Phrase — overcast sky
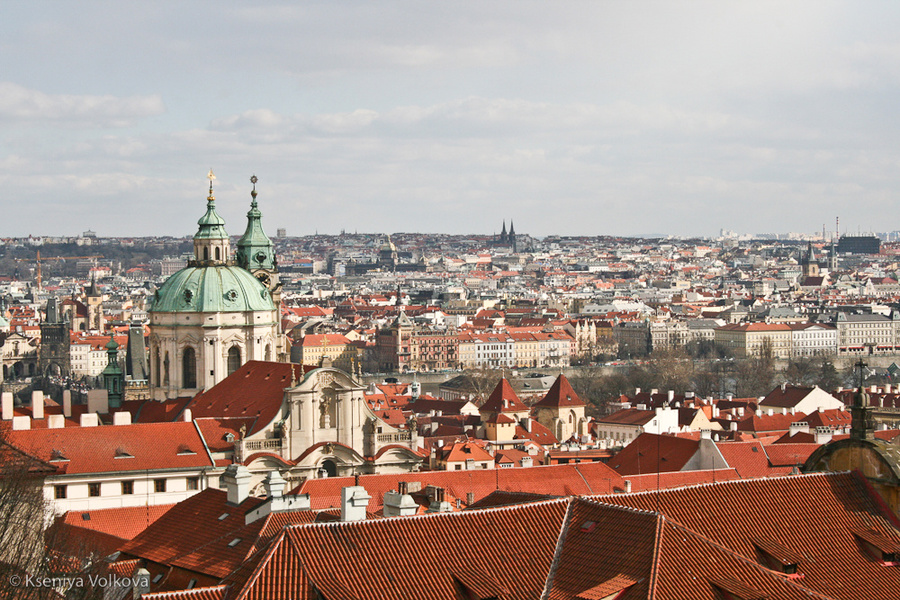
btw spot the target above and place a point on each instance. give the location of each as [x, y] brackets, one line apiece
[578, 118]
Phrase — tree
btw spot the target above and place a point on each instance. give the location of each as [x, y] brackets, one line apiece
[38, 562]
[755, 376]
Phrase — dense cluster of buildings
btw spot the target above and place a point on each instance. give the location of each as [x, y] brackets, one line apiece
[214, 430]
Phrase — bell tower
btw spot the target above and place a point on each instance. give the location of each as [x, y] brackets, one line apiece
[256, 253]
[211, 243]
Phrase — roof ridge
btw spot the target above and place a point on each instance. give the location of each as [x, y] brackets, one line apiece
[730, 481]
[557, 552]
[182, 593]
[274, 543]
[459, 513]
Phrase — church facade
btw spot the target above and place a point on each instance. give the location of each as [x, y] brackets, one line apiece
[214, 315]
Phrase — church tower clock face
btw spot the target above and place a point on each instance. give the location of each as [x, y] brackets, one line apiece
[263, 278]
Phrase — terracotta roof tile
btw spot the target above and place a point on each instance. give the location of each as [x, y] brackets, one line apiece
[560, 394]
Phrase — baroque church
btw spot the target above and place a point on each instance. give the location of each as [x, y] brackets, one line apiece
[216, 314]
[215, 338]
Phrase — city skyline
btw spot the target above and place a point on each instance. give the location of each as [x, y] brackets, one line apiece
[570, 119]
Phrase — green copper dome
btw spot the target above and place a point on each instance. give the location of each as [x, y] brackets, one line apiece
[212, 289]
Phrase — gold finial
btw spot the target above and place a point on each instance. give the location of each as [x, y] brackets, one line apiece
[211, 177]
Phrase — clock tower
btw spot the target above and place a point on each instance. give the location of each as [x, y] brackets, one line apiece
[256, 253]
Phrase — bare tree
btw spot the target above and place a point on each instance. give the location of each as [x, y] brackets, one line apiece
[37, 563]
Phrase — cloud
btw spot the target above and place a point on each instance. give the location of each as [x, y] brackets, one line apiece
[20, 104]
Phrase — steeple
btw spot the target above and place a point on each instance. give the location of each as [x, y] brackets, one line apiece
[503, 233]
[211, 243]
[255, 250]
[113, 376]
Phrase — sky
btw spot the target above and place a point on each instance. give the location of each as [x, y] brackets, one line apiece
[568, 118]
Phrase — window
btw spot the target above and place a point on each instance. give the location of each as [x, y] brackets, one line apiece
[59, 492]
[159, 485]
[189, 368]
[127, 488]
[193, 483]
[93, 490]
[234, 359]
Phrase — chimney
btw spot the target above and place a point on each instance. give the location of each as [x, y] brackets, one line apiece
[740, 411]
[873, 389]
[274, 484]
[705, 434]
[470, 498]
[783, 387]
[56, 421]
[67, 404]
[354, 500]
[37, 404]
[654, 391]
[671, 395]
[141, 583]
[637, 391]
[823, 434]
[770, 412]
[187, 416]
[798, 427]
[237, 483]
[729, 396]
[89, 420]
[439, 504]
[21, 423]
[734, 425]
[6, 399]
[758, 412]
[399, 503]
[627, 484]
[98, 401]
[122, 418]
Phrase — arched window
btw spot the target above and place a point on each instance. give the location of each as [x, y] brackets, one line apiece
[206, 254]
[268, 352]
[234, 359]
[189, 368]
[217, 253]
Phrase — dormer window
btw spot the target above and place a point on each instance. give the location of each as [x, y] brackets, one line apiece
[777, 557]
[878, 546]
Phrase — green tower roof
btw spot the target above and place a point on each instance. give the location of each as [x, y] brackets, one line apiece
[212, 225]
[255, 249]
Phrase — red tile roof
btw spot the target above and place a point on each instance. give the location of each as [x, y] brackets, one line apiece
[812, 514]
[503, 399]
[560, 395]
[110, 449]
[651, 453]
[254, 390]
[557, 480]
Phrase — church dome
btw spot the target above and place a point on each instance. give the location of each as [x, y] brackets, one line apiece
[218, 288]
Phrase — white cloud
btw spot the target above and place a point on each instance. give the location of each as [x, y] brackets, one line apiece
[18, 103]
